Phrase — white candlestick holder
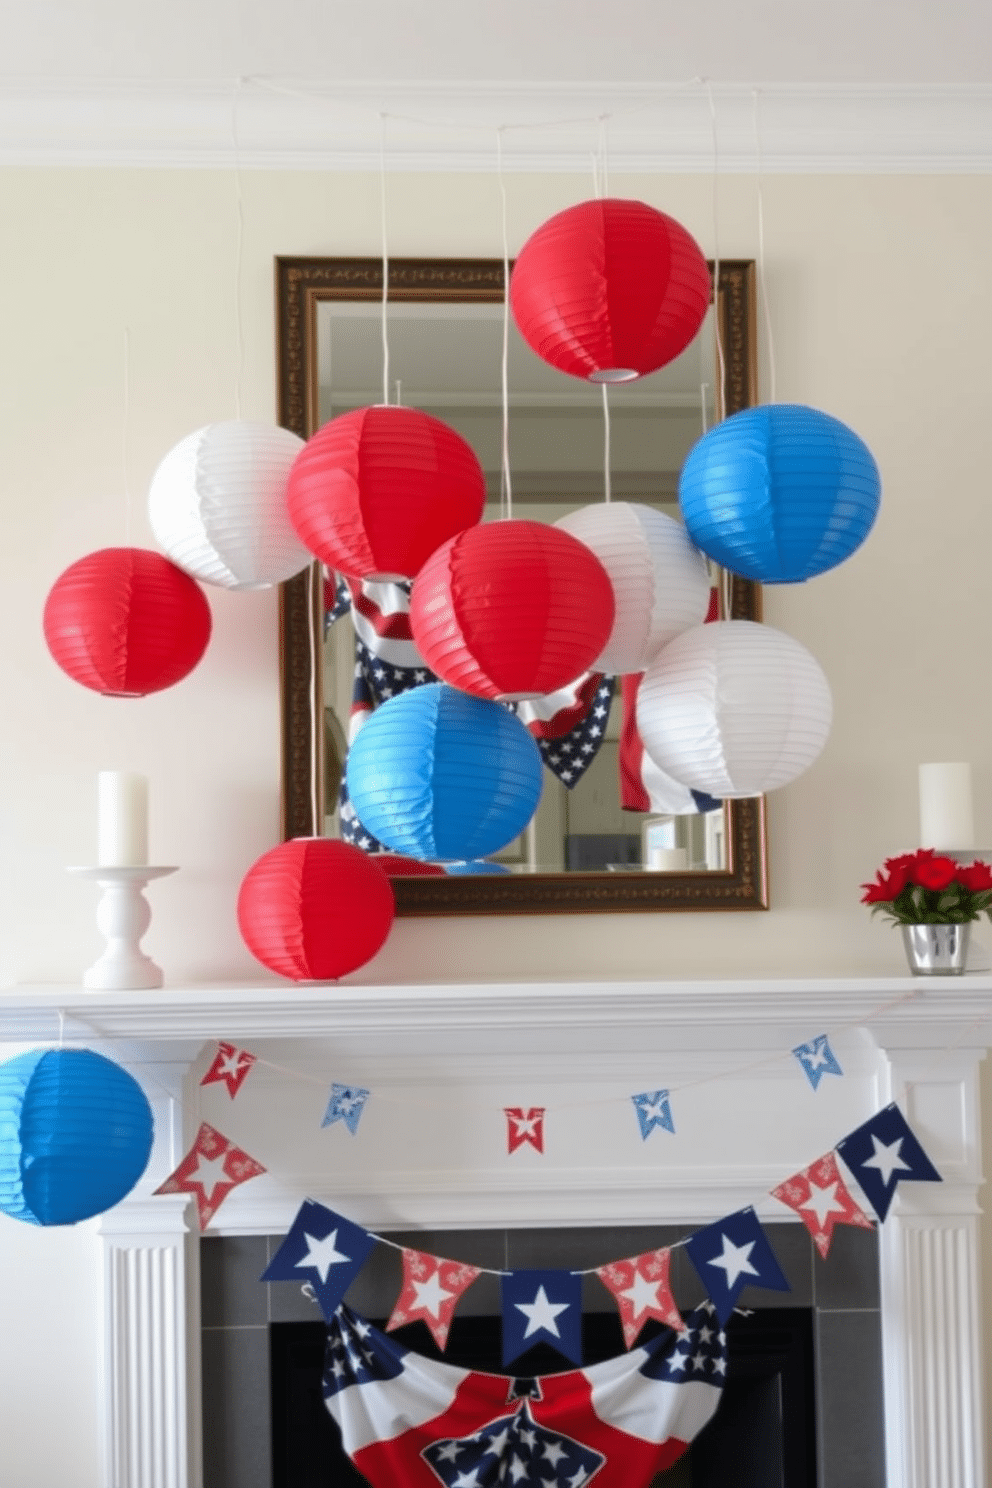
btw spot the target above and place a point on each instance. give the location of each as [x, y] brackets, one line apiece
[123, 915]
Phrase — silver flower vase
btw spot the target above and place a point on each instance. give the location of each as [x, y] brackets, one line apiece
[936, 950]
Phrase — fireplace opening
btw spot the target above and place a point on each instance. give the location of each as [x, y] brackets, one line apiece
[762, 1436]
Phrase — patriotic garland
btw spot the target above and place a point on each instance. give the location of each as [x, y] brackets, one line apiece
[328, 1250]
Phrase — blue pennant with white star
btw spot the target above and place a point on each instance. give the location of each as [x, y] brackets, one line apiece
[542, 1307]
[732, 1254]
[653, 1109]
[883, 1153]
[324, 1249]
[346, 1104]
[817, 1059]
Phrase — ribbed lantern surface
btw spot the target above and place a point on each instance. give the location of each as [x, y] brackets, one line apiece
[75, 1135]
[734, 709]
[779, 493]
[217, 505]
[126, 622]
[512, 609]
[609, 290]
[375, 491]
[313, 909]
[660, 581]
[436, 774]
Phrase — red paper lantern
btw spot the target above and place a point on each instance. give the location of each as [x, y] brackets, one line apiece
[609, 290]
[511, 610]
[374, 492]
[313, 909]
[126, 622]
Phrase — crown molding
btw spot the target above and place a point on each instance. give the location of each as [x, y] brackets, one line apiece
[293, 124]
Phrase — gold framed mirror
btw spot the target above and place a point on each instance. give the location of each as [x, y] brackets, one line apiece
[313, 294]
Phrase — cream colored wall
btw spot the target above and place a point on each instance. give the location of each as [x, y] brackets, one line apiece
[879, 315]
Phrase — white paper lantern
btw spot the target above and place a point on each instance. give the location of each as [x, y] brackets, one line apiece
[660, 579]
[734, 709]
[217, 505]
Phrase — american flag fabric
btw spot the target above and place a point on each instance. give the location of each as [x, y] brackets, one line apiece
[405, 1419]
[643, 785]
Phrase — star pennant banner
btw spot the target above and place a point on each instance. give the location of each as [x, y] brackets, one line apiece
[882, 1153]
[524, 1126]
[324, 1249]
[542, 1307]
[821, 1198]
[817, 1059]
[653, 1109]
[640, 1286]
[732, 1254]
[431, 1289]
[230, 1067]
[346, 1103]
[210, 1169]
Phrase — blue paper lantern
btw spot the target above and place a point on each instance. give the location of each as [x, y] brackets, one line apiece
[779, 493]
[75, 1135]
[440, 775]
[477, 865]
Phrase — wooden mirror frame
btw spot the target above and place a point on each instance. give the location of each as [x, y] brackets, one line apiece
[300, 284]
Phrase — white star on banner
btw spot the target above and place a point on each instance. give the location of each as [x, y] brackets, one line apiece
[431, 1295]
[643, 1295]
[823, 1201]
[734, 1260]
[541, 1313]
[322, 1254]
[887, 1159]
[209, 1174]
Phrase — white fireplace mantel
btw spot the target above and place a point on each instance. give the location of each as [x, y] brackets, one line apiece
[443, 1060]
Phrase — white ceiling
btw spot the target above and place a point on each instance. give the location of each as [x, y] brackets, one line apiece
[887, 83]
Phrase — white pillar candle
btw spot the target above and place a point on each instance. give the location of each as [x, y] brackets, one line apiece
[668, 859]
[946, 819]
[122, 820]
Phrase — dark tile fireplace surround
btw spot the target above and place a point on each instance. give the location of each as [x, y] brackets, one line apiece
[842, 1291]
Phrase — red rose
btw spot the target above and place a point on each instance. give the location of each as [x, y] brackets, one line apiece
[976, 877]
[934, 873]
[875, 893]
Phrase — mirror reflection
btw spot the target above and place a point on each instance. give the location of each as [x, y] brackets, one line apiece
[610, 832]
[601, 810]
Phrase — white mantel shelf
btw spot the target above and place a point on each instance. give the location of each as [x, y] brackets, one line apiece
[745, 1011]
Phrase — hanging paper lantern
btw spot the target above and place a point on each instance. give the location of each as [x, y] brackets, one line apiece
[126, 622]
[75, 1135]
[734, 709]
[482, 866]
[609, 290]
[217, 505]
[314, 909]
[511, 610]
[779, 493]
[375, 491]
[660, 581]
[436, 774]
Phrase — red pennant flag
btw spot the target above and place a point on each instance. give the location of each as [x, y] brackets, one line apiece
[524, 1126]
[640, 1286]
[210, 1169]
[230, 1065]
[431, 1289]
[821, 1198]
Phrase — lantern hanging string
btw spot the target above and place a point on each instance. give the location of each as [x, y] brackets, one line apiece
[505, 484]
[606, 444]
[762, 296]
[385, 259]
[313, 622]
[124, 436]
[721, 401]
[238, 249]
